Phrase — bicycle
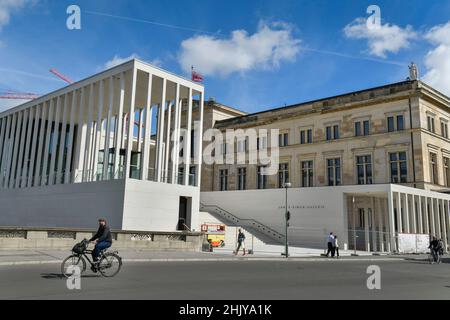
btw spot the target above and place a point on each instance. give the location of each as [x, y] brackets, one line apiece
[109, 263]
[434, 257]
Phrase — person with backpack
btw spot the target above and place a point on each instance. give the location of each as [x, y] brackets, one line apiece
[241, 242]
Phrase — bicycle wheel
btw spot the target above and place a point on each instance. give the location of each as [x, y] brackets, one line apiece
[73, 261]
[110, 265]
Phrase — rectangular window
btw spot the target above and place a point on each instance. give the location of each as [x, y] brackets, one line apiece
[364, 169]
[329, 135]
[358, 129]
[391, 124]
[334, 172]
[223, 180]
[400, 123]
[433, 169]
[307, 174]
[362, 220]
[242, 146]
[366, 127]
[447, 171]
[336, 132]
[262, 179]
[283, 174]
[306, 136]
[395, 123]
[362, 128]
[444, 129]
[430, 124]
[399, 167]
[332, 132]
[283, 140]
[242, 178]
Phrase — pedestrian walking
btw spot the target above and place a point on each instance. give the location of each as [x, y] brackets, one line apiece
[330, 241]
[336, 246]
[241, 242]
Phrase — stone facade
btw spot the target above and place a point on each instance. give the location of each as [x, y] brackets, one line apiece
[398, 117]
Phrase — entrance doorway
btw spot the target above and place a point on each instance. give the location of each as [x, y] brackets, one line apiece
[184, 217]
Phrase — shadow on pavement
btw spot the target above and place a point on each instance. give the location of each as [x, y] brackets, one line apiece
[59, 276]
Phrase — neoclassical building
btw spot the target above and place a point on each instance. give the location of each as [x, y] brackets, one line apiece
[385, 150]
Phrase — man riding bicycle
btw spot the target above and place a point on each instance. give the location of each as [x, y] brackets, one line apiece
[102, 239]
[435, 248]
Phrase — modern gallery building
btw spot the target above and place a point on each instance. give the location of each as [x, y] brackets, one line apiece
[102, 147]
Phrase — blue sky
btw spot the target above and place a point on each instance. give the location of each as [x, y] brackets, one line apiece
[286, 52]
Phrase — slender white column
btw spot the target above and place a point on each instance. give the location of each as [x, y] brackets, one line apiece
[380, 225]
[199, 146]
[187, 141]
[27, 156]
[413, 215]
[39, 168]
[16, 146]
[62, 141]
[420, 216]
[118, 123]
[399, 213]
[374, 234]
[34, 146]
[99, 131]
[90, 125]
[366, 229]
[168, 139]
[147, 129]
[9, 148]
[432, 222]
[141, 127]
[81, 140]
[5, 122]
[22, 148]
[444, 222]
[70, 138]
[406, 211]
[392, 242]
[176, 136]
[44, 178]
[105, 175]
[160, 139]
[438, 219]
[427, 216]
[131, 119]
[51, 180]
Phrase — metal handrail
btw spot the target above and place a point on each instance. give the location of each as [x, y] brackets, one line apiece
[279, 235]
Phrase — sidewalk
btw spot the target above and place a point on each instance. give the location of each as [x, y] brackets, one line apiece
[9, 258]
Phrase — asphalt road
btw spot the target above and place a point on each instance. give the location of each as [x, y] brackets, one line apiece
[235, 280]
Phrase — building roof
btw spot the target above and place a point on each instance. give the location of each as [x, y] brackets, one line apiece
[329, 103]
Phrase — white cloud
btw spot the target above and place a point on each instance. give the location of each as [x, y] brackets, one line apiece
[386, 38]
[9, 6]
[437, 61]
[266, 49]
[8, 104]
[117, 60]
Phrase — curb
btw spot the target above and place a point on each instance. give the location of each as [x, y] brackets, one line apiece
[24, 263]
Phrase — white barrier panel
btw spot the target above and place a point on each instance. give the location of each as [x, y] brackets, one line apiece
[413, 243]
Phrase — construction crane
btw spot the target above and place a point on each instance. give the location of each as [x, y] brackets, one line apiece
[18, 96]
[61, 76]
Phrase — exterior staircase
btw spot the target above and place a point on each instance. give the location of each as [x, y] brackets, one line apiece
[259, 230]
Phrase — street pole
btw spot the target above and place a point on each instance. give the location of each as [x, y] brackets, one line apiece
[354, 225]
[286, 216]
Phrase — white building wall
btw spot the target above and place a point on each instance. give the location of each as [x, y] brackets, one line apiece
[67, 206]
[155, 206]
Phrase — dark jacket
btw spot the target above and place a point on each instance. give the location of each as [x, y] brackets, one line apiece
[103, 234]
[241, 236]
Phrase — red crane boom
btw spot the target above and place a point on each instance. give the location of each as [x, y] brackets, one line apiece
[61, 76]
